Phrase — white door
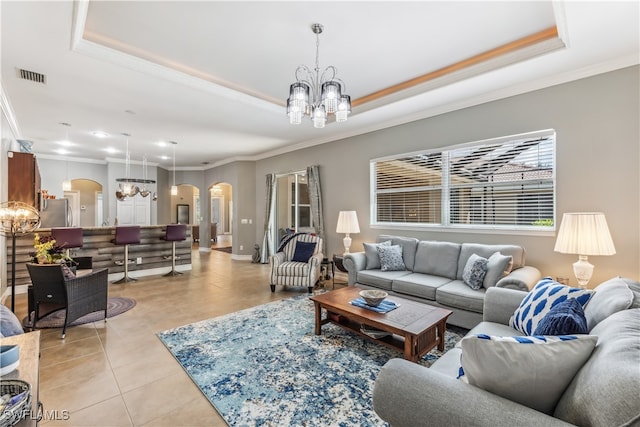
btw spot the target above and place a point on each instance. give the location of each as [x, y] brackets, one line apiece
[134, 211]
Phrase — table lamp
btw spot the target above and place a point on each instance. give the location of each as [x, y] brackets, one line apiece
[17, 217]
[584, 234]
[347, 223]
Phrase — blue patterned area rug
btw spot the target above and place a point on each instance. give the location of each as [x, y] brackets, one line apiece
[264, 366]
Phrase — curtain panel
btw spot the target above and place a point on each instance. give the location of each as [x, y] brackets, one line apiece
[269, 219]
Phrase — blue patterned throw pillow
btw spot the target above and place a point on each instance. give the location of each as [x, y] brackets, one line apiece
[474, 271]
[533, 371]
[391, 258]
[565, 318]
[304, 251]
[543, 297]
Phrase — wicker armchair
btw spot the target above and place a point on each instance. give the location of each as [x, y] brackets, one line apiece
[78, 296]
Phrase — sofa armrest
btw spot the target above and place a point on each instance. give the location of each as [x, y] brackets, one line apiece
[500, 304]
[523, 279]
[407, 394]
[354, 262]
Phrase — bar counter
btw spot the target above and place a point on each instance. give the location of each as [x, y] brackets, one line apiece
[155, 253]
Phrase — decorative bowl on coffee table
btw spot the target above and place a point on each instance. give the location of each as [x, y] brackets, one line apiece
[373, 297]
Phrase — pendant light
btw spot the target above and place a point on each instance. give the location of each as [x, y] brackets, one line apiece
[174, 188]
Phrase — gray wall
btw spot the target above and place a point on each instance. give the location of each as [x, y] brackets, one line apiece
[596, 120]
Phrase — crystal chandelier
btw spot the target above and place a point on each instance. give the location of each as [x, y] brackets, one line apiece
[317, 94]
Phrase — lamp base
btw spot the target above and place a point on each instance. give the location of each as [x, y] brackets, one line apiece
[347, 244]
[583, 270]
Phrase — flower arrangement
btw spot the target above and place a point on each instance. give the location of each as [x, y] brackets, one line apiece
[48, 252]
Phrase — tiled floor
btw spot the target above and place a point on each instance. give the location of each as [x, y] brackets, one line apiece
[118, 373]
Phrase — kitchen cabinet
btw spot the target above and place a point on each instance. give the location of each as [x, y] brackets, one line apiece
[24, 178]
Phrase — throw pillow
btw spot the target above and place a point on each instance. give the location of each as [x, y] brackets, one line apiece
[371, 253]
[542, 298]
[609, 297]
[68, 272]
[303, 251]
[474, 271]
[498, 266]
[9, 323]
[533, 371]
[566, 318]
[391, 258]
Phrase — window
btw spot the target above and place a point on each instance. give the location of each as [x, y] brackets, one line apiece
[506, 183]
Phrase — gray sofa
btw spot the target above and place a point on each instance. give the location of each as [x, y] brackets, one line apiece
[433, 274]
[603, 393]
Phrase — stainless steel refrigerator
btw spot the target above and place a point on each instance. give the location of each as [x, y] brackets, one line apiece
[55, 213]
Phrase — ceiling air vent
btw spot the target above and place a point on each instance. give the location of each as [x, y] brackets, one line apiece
[32, 76]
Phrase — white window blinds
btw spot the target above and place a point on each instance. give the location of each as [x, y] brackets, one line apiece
[502, 183]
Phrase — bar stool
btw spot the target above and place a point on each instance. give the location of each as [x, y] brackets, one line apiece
[175, 233]
[67, 237]
[126, 235]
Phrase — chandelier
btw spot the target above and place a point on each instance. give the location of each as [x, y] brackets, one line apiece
[317, 94]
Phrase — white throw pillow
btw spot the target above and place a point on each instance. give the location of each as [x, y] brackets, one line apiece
[542, 298]
[533, 371]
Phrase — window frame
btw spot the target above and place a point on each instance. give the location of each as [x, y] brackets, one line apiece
[446, 189]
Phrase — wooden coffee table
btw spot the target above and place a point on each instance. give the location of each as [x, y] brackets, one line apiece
[416, 328]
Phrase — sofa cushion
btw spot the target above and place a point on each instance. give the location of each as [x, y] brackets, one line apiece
[457, 294]
[492, 328]
[371, 252]
[498, 266]
[408, 244]
[379, 279]
[474, 272]
[419, 285]
[533, 371]
[437, 258]
[517, 252]
[542, 298]
[605, 391]
[391, 258]
[609, 297]
[566, 318]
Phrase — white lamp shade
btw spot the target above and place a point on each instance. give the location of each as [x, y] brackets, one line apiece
[584, 233]
[348, 222]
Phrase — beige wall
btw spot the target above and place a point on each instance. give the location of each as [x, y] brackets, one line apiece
[598, 152]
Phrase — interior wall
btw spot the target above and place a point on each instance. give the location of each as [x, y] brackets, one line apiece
[596, 120]
[88, 190]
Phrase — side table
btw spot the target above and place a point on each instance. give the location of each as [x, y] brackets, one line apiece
[324, 269]
[337, 260]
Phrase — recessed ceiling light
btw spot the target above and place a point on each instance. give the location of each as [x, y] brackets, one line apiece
[110, 150]
[165, 157]
[62, 151]
[65, 143]
[99, 134]
[161, 143]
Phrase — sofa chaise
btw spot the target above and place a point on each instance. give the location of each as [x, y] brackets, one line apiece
[433, 273]
[603, 388]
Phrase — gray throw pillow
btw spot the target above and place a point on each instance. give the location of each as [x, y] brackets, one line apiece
[371, 252]
[9, 323]
[391, 258]
[609, 297]
[498, 266]
[474, 271]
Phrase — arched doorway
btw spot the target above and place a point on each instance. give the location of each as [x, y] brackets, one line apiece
[221, 212]
[86, 203]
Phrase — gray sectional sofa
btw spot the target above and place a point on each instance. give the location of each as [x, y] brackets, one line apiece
[433, 274]
[603, 393]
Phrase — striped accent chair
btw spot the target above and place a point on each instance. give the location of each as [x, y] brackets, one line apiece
[287, 272]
